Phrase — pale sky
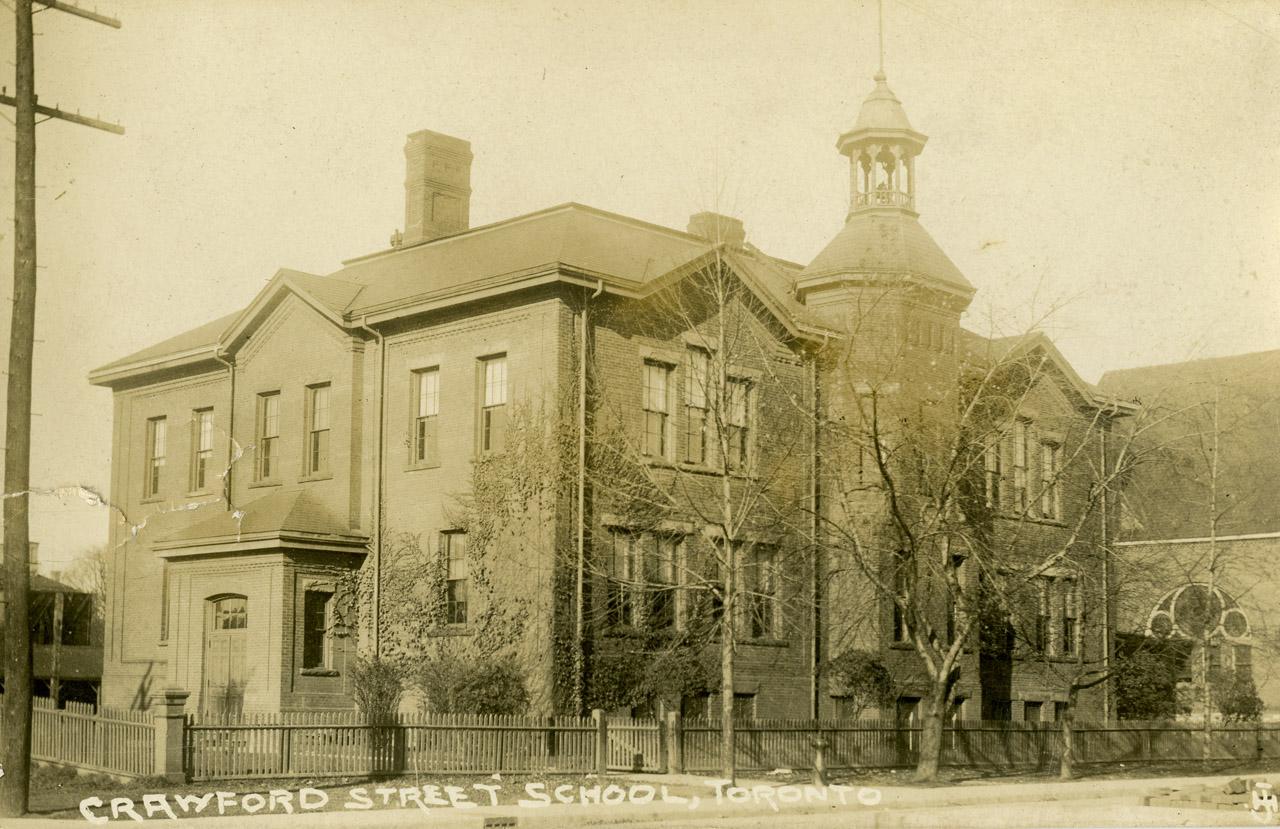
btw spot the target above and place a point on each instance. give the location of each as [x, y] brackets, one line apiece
[1120, 158]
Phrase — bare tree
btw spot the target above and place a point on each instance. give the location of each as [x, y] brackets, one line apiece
[937, 510]
[684, 462]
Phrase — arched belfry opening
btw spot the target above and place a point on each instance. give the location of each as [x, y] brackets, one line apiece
[882, 149]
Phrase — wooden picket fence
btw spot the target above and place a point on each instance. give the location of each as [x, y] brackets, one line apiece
[343, 743]
[114, 741]
[762, 745]
[318, 744]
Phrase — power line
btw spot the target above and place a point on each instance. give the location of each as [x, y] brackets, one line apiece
[1241, 21]
[16, 718]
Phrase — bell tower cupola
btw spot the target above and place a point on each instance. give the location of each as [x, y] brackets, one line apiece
[882, 149]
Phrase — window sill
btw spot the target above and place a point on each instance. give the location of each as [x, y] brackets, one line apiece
[1031, 519]
[319, 672]
[902, 646]
[451, 630]
[152, 499]
[320, 476]
[768, 642]
[199, 493]
[661, 463]
[266, 482]
[418, 467]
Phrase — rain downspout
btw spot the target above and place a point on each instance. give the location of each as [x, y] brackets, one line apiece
[231, 428]
[377, 493]
[1106, 578]
[815, 494]
[579, 654]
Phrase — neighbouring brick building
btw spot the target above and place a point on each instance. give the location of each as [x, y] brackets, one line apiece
[270, 462]
[1191, 521]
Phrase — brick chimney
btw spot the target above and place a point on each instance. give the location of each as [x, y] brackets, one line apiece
[717, 228]
[437, 186]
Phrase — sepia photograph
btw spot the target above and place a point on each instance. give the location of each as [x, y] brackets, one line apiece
[695, 413]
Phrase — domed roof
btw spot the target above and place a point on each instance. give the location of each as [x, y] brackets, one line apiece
[885, 243]
[882, 110]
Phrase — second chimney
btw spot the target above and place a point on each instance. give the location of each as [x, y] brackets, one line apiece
[717, 228]
[437, 186]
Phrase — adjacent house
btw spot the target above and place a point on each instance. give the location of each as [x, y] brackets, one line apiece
[66, 638]
[544, 438]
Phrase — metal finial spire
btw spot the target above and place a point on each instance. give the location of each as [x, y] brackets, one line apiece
[880, 4]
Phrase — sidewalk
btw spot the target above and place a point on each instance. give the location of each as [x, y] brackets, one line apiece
[866, 807]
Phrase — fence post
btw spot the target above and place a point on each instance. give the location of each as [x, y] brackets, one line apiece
[675, 742]
[602, 741]
[169, 726]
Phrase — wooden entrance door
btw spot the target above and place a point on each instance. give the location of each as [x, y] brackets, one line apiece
[224, 662]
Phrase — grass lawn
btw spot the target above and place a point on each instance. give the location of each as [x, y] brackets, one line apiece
[57, 792]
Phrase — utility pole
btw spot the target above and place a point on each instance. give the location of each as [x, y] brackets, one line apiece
[16, 718]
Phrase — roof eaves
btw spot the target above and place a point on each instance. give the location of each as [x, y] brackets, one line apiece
[109, 375]
[494, 286]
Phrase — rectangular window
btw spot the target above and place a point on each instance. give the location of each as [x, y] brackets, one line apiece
[316, 608]
[201, 448]
[695, 436]
[41, 618]
[426, 410]
[618, 605]
[641, 580]
[1070, 617]
[994, 473]
[1020, 436]
[317, 460]
[493, 403]
[157, 441]
[737, 417]
[1050, 502]
[660, 581]
[704, 599]
[77, 619]
[902, 594]
[268, 438]
[762, 593]
[454, 552]
[1242, 655]
[1031, 711]
[657, 380]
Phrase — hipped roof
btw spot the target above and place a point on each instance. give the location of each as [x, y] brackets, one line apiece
[571, 242]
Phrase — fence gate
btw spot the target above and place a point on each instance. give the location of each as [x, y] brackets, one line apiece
[636, 745]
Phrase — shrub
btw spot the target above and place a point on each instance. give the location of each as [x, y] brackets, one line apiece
[1146, 685]
[452, 684]
[861, 678]
[377, 685]
[1237, 699]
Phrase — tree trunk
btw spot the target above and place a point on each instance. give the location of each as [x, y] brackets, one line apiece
[931, 725]
[1066, 771]
[727, 764]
